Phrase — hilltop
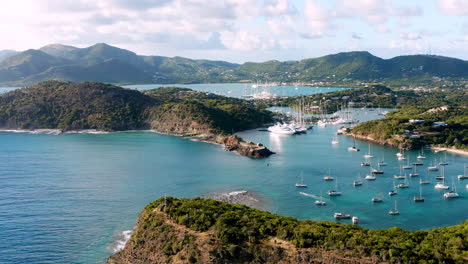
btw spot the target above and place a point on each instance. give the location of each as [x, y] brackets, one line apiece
[171, 230]
[105, 63]
[91, 105]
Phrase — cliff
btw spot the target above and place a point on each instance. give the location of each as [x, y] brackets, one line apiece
[176, 111]
[171, 230]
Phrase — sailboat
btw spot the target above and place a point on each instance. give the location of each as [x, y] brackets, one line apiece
[334, 192]
[443, 163]
[358, 182]
[464, 176]
[453, 193]
[394, 211]
[433, 167]
[403, 185]
[320, 202]
[301, 185]
[392, 191]
[421, 155]
[408, 166]
[368, 155]
[353, 148]
[335, 140]
[328, 177]
[377, 200]
[424, 181]
[377, 171]
[415, 172]
[399, 176]
[441, 185]
[382, 162]
[400, 156]
[370, 176]
[419, 198]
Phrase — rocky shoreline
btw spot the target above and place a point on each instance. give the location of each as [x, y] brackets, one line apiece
[406, 145]
[230, 142]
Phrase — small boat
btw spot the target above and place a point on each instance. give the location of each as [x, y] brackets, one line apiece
[392, 192]
[421, 181]
[421, 155]
[403, 185]
[439, 178]
[443, 163]
[394, 211]
[441, 185]
[377, 200]
[453, 193]
[368, 155]
[408, 166]
[414, 173]
[464, 176]
[302, 184]
[433, 167]
[335, 140]
[365, 164]
[399, 154]
[401, 158]
[341, 216]
[377, 171]
[328, 178]
[417, 163]
[320, 202]
[353, 148]
[382, 163]
[399, 176]
[333, 193]
[358, 182]
[355, 220]
[370, 177]
[419, 198]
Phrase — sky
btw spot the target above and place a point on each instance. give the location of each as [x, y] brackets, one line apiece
[241, 30]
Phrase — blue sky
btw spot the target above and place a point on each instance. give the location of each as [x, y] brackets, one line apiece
[242, 30]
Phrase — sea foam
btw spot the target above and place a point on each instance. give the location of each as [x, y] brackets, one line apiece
[121, 241]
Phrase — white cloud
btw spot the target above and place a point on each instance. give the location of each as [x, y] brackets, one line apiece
[454, 7]
[410, 36]
[318, 20]
[247, 41]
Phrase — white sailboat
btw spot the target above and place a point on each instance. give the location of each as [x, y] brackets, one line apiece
[368, 155]
[453, 193]
[407, 166]
[382, 162]
[335, 140]
[419, 198]
[328, 177]
[424, 181]
[444, 162]
[320, 202]
[442, 185]
[358, 182]
[353, 148]
[403, 185]
[302, 184]
[415, 172]
[334, 192]
[394, 211]
[433, 167]
[464, 176]
[399, 176]
[421, 155]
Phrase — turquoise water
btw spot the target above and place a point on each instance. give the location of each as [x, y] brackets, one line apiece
[67, 198]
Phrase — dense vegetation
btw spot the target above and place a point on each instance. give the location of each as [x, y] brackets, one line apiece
[105, 63]
[92, 105]
[240, 231]
[397, 128]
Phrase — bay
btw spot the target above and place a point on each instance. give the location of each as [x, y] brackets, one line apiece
[68, 198]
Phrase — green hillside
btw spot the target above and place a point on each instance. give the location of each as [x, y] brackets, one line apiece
[171, 230]
[62, 62]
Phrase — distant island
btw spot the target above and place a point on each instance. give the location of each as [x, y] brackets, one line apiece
[171, 230]
[105, 63]
[177, 111]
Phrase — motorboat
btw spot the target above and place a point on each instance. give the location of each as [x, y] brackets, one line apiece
[341, 216]
[282, 129]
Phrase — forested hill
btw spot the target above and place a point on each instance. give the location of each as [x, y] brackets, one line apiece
[91, 105]
[171, 230]
[105, 63]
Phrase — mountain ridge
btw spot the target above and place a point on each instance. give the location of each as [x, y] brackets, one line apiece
[52, 62]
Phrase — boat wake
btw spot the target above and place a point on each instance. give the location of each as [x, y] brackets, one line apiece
[310, 195]
[121, 241]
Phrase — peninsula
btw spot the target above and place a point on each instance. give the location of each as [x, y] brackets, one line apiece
[90, 105]
[171, 230]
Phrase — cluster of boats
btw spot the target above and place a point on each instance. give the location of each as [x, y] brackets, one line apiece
[371, 176]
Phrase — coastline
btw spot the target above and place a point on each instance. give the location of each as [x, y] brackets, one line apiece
[232, 143]
[451, 150]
